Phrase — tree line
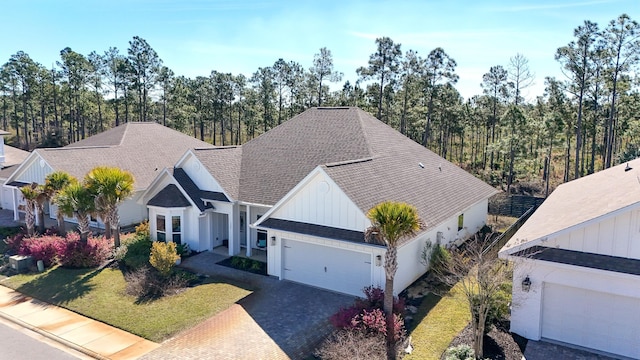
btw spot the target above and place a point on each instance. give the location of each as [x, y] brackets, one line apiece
[585, 121]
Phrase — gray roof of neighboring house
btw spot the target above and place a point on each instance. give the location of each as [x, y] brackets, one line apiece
[12, 158]
[583, 259]
[143, 148]
[580, 201]
[369, 160]
[169, 197]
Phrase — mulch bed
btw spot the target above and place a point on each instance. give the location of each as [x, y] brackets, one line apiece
[499, 343]
[228, 262]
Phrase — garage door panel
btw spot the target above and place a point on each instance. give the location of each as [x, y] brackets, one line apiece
[591, 319]
[327, 267]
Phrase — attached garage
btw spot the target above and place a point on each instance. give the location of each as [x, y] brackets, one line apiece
[591, 319]
[332, 268]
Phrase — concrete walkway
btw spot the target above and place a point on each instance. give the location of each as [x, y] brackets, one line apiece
[80, 333]
[279, 320]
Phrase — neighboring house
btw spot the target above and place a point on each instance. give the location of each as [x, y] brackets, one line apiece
[142, 148]
[301, 192]
[576, 274]
[10, 158]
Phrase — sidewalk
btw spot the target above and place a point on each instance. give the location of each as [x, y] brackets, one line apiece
[86, 335]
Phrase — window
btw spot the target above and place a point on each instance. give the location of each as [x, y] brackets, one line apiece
[161, 231]
[175, 228]
[262, 239]
[460, 222]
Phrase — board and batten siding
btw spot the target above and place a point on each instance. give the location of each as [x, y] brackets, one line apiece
[615, 235]
[36, 171]
[322, 202]
[526, 312]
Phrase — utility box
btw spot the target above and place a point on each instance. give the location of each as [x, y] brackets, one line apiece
[20, 263]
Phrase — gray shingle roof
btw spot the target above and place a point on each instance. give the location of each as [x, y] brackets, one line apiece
[578, 202]
[140, 147]
[224, 164]
[314, 230]
[12, 158]
[169, 197]
[579, 258]
[369, 160]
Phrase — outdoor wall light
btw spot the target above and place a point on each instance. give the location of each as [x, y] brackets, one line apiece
[526, 284]
[273, 241]
[378, 260]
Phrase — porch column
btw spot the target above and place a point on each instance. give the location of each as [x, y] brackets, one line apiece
[234, 237]
[16, 214]
[247, 230]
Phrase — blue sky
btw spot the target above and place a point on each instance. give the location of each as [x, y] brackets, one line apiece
[193, 37]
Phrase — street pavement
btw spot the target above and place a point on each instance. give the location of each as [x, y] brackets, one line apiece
[17, 343]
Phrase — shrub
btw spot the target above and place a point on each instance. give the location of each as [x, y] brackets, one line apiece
[499, 305]
[76, 254]
[439, 260]
[14, 242]
[374, 298]
[45, 248]
[342, 319]
[143, 229]
[137, 252]
[353, 344]
[460, 352]
[163, 257]
[183, 249]
[147, 283]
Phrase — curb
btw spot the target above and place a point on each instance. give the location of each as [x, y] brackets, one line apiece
[53, 337]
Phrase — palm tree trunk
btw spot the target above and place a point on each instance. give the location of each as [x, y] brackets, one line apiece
[83, 227]
[40, 208]
[61, 225]
[114, 221]
[391, 266]
[29, 218]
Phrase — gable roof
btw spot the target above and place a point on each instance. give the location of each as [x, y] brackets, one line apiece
[579, 201]
[143, 148]
[277, 160]
[169, 197]
[224, 164]
[12, 158]
[369, 160]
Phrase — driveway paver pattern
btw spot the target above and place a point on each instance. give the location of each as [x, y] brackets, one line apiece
[279, 320]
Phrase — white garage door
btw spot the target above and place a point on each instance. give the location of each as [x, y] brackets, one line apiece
[331, 268]
[591, 319]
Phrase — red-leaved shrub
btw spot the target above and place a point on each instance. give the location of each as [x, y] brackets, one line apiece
[45, 248]
[367, 315]
[15, 242]
[67, 251]
[76, 254]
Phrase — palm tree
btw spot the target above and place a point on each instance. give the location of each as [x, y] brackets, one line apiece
[390, 223]
[111, 186]
[53, 184]
[76, 200]
[30, 194]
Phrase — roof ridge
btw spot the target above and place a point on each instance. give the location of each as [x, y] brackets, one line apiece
[78, 147]
[226, 147]
[124, 133]
[364, 132]
[349, 162]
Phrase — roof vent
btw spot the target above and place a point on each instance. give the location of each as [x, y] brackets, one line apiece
[421, 165]
[627, 168]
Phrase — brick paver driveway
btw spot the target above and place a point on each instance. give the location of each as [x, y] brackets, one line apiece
[279, 320]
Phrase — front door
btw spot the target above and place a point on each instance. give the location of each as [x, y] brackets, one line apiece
[243, 230]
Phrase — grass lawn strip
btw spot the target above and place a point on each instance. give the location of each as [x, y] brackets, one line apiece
[445, 318]
[99, 294]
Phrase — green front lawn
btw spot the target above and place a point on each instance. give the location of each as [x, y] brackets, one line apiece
[99, 294]
[442, 319]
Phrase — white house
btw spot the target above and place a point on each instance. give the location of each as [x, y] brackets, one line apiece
[142, 148]
[300, 192]
[10, 158]
[577, 264]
